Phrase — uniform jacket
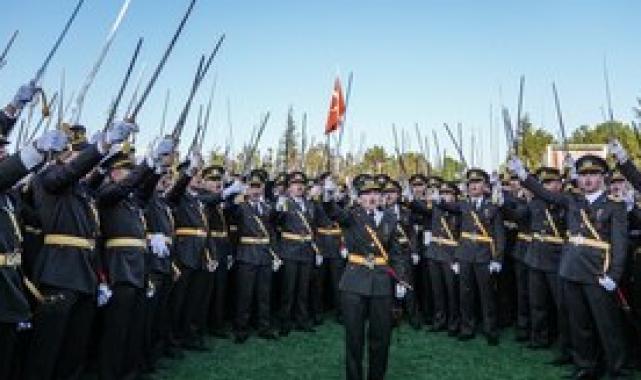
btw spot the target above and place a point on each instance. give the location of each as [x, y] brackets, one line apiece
[358, 278]
[66, 207]
[582, 263]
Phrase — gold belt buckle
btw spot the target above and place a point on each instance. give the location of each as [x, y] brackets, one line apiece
[578, 240]
[369, 262]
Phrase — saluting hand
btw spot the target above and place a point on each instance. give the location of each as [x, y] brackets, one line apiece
[618, 151]
[515, 165]
[25, 95]
[52, 141]
[119, 132]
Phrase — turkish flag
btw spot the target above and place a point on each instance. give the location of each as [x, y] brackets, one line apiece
[336, 109]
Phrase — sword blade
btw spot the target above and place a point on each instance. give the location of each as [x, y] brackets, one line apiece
[163, 60]
[55, 47]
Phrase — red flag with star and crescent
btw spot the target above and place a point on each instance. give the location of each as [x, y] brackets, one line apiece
[337, 109]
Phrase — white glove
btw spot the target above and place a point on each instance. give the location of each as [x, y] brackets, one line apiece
[53, 140]
[456, 268]
[407, 193]
[158, 245]
[618, 151]
[236, 187]
[344, 253]
[569, 164]
[400, 291]
[31, 156]
[230, 262]
[104, 294]
[427, 237]
[319, 260]
[276, 264]
[607, 283]
[315, 191]
[497, 196]
[195, 163]
[495, 179]
[23, 326]
[515, 165]
[628, 198]
[280, 204]
[159, 150]
[119, 132]
[495, 267]
[151, 290]
[212, 265]
[415, 258]
[329, 188]
[25, 95]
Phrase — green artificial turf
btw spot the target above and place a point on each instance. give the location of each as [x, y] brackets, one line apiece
[414, 355]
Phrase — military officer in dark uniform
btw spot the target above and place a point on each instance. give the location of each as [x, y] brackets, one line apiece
[255, 257]
[329, 240]
[444, 268]
[121, 202]
[317, 282]
[192, 255]
[159, 271]
[297, 226]
[407, 241]
[479, 254]
[220, 243]
[367, 286]
[418, 187]
[516, 220]
[15, 311]
[67, 268]
[508, 297]
[591, 265]
[543, 258]
[623, 178]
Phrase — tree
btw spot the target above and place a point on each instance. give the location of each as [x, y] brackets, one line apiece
[315, 159]
[601, 133]
[534, 142]
[451, 170]
[287, 155]
[373, 160]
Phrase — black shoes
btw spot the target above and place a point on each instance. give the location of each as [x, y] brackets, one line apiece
[241, 337]
[522, 336]
[492, 340]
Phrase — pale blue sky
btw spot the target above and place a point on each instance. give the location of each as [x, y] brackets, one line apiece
[413, 61]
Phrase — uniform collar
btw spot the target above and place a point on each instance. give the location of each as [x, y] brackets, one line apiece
[591, 198]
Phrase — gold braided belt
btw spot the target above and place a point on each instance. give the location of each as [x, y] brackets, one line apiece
[69, 241]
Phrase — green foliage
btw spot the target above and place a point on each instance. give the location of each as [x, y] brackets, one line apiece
[601, 133]
[534, 142]
[451, 170]
[288, 148]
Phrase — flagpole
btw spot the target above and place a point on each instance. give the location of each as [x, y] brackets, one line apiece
[342, 125]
